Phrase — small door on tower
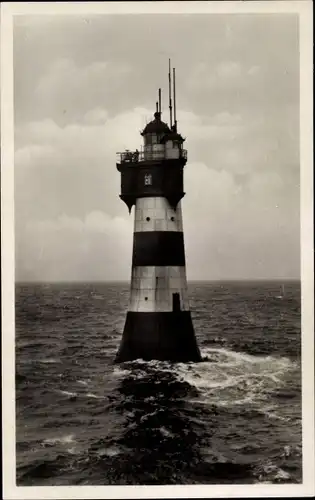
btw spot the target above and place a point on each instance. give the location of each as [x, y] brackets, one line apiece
[176, 302]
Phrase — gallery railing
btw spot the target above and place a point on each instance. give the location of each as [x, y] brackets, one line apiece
[139, 156]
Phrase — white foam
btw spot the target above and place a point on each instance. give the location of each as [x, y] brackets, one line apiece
[68, 393]
[273, 472]
[241, 358]
[235, 378]
[286, 451]
[121, 372]
[165, 432]
[98, 297]
[234, 402]
[109, 452]
[147, 415]
[273, 377]
[91, 395]
[69, 438]
[82, 382]
[72, 450]
[274, 416]
[281, 474]
[49, 361]
[200, 381]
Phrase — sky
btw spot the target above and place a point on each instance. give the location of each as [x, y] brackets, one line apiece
[84, 87]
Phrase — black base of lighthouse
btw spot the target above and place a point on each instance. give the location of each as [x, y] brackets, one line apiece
[164, 336]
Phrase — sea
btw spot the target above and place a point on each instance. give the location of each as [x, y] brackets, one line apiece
[234, 418]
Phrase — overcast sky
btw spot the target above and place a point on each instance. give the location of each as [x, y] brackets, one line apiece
[85, 86]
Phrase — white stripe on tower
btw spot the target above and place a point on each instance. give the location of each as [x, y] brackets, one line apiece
[156, 214]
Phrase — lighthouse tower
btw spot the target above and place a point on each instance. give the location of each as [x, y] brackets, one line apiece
[158, 324]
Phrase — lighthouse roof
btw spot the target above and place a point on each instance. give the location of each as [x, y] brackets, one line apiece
[173, 135]
[156, 126]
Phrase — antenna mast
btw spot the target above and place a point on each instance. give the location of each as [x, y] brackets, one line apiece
[174, 95]
[160, 100]
[170, 90]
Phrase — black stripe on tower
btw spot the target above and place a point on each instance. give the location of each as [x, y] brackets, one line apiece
[166, 336]
[158, 248]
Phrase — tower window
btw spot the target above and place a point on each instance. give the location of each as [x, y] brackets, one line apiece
[148, 218]
[145, 298]
[148, 180]
[148, 139]
[172, 218]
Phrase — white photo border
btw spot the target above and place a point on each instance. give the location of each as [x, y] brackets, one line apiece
[303, 9]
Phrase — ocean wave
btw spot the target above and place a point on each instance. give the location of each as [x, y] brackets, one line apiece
[82, 382]
[271, 472]
[120, 372]
[67, 439]
[109, 452]
[97, 297]
[67, 393]
[41, 469]
[251, 374]
[91, 395]
[49, 361]
[230, 379]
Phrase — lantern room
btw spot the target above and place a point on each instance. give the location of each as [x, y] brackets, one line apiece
[157, 169]
[160, 141]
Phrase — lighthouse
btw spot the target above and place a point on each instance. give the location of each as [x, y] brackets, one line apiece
[158, 323]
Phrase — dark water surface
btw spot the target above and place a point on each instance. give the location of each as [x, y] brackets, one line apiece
[234, 418]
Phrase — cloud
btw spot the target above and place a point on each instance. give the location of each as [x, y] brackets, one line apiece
[72, 91]
[96, 116]
[65, 75]
[254, 70]
[222, 222]
[89, 91]
[221, 126]
[238, 228]
[96, 247]
[226, 74]
[68, 209]
[71, 169]
[228, 69]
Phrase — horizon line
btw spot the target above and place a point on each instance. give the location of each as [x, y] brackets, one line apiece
[216, 280]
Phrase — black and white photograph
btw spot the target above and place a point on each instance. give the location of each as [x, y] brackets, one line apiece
[157, 248]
